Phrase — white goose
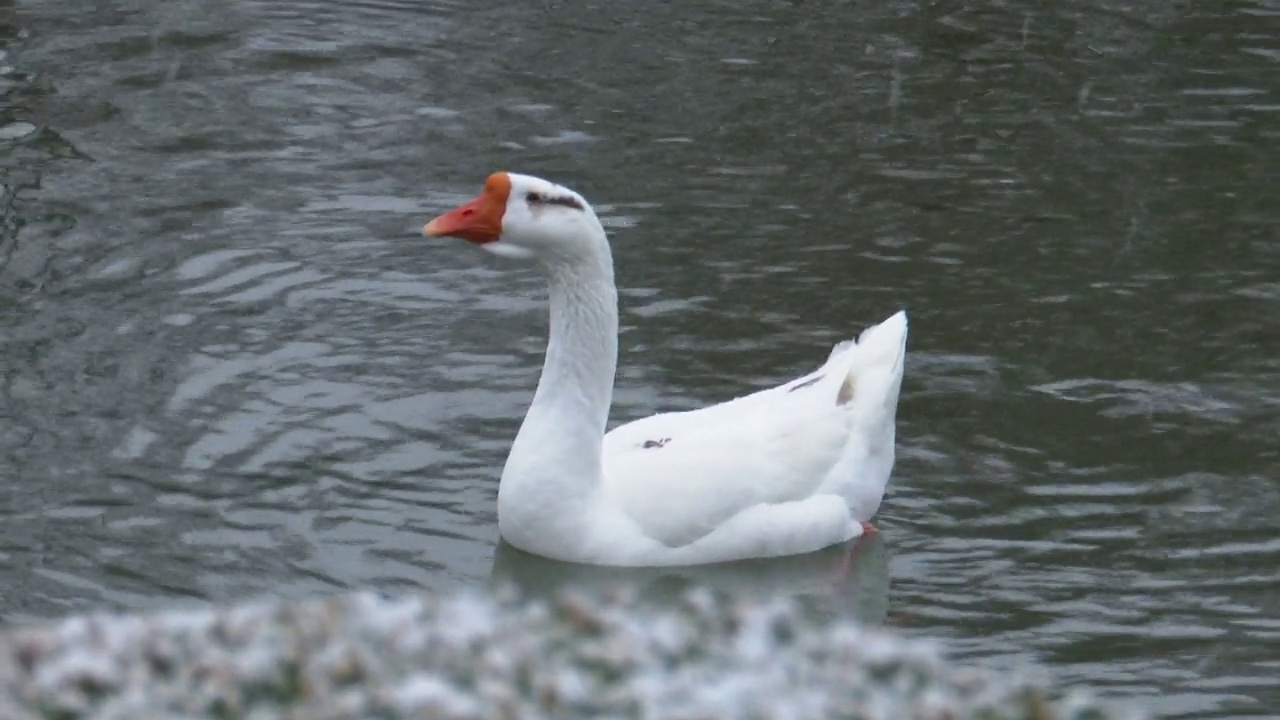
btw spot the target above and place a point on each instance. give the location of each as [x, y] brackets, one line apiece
[783, 471]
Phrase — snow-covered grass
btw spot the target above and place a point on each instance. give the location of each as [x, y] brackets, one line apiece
[473, 656]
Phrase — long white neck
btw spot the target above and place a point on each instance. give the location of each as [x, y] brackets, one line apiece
[576, 387]
[554, 463]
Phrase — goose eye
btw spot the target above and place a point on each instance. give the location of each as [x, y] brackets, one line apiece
[534, 197]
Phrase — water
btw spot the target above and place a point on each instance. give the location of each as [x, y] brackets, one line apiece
[230, 366]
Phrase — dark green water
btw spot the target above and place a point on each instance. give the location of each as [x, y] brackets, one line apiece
[229, 366]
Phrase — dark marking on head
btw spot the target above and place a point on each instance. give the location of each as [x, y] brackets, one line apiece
[534, 198]
[805, 383]
[650, 444]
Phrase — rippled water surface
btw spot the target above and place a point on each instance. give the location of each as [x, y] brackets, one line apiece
[229, 365]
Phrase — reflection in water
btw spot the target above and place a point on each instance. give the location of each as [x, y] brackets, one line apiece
[849, 580]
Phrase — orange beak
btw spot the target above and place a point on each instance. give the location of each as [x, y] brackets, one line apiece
[479, 220]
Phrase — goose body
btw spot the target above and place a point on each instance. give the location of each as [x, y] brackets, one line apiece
[786, 470]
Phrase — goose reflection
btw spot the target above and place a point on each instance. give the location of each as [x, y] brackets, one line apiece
[849, 581]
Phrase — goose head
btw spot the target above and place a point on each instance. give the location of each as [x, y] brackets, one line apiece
[524, 217]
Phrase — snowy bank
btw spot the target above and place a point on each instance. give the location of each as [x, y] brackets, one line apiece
[473, 656]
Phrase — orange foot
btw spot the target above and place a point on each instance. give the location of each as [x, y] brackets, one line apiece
[852, 550]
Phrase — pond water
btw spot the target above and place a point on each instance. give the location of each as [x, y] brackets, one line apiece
[230, 365]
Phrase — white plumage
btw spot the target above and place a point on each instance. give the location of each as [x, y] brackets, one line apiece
[787, 470]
